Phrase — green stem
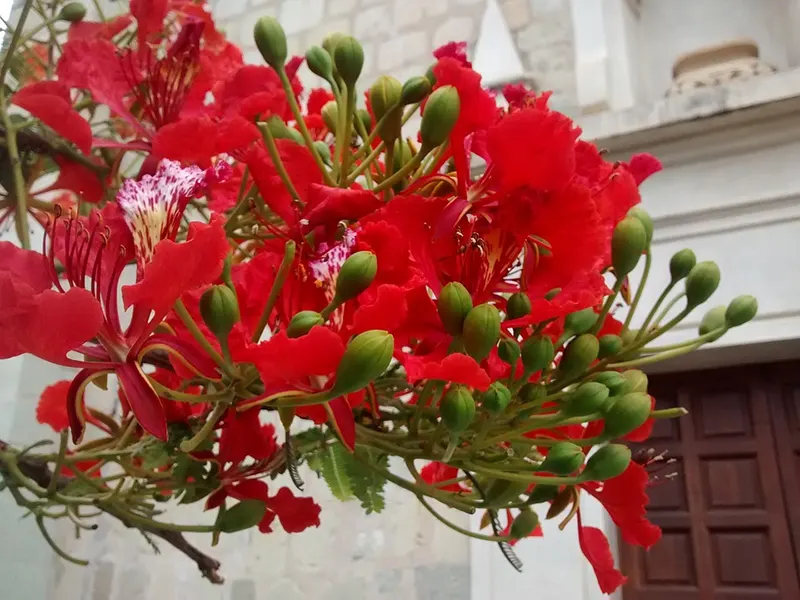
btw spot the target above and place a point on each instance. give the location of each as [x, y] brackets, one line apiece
[524, 477]
[461, 530]
[654, 309]
[701, 339]
[648, 259]
[607, 305]
[419, 409]
[365, 163]
[538, 422]
[301, 124]
[12, 45]
[62, 451]
[272, 149]
[401, 174]
[277, 286]
[51, 542]
[668, 308]
[188, 321]
[350, 106]
[192, 444]
[654, 358]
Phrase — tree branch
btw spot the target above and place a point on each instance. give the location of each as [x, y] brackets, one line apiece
[38, 471]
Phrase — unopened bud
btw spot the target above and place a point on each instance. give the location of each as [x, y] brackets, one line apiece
[496, 399]
[365, 358]
[330, 115]
[581, 321]
[415, 90]
[500, 492]
[348, 56]
[578, 355]
[614, 381]
[552, 294]
[681, 263]
[329, 43]
[626, 414]
[324, 151]
[303, 322]
[365, 118]
[509, 351]
[73, 12]
[402, 154]
[741, 310]
[563, 458]
[524, 524]
[537, 353]
[429, 75]
[220, 310]
[542, 493]
[518, 305]
[714, 320]
[610, 345]
[628, 242]
[440, 116]
[384, 95]
[532, 392]
[701, 282]
[271, 41]
[319, 62]
[608, 462]
[635, 381]
[457, 409]
[356, 275]
[454, 304]
[589, 398]
[481, 331]
[647, 221]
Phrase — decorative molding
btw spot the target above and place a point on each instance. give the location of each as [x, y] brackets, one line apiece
[496, 56]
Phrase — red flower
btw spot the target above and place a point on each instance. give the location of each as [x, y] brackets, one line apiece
[596, 549]
[52, 407]
[456, 50]
[149, 15]
[243, 435]
[455, 368]
[436, 472]
[107, 30]
[49, 102]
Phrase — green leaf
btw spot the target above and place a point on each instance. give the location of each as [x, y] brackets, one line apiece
[155, 455]
[246, 514]
[368, 484]
[333, 467]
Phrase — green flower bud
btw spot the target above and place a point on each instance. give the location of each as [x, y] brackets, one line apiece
[608, 462]
[647, 221]
[348, 56]
[578, 355]
[73, 12]
[587, 399]
[524, 524]
[626, 414]
[241, 516]
[581, 321]
[610, 345]
[365, 358]
[440, 116]
[457, 409]
[741, 310]
[552, 294]
[302, 323]
[563, 458]
[330, 115]
[496, 399]
[271, 41]
[542, 493]
[627, 244]
[402, 154]
[614, 381]
[701, 282]
[329, 43]
[356, 275]
[681, 263]
[518, 305]
[532, 392]
[481, 331]
[415, 90]
[714, 320]
[430, 76]
[454, 304]
[509, 351]
[324, 151]
[635, 381]
[365, 118]
[500, 492]
[319, 62]
[220, 310]
[384, 95]
[537, 353]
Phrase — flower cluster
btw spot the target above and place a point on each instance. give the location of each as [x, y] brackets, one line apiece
[277, 277]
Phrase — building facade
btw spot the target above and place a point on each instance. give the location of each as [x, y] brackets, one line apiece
[713, 89]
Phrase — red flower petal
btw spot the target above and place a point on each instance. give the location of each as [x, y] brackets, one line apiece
[595, 548]
[88, 30]
[49, 102]
[52, 407]
[340, 415]
[642, 166]
[25, 266]
[645, 430]
[534, 147]
[327, 205]
[149, 15]
[179, 267]
[456, 50]
[209, 138]
[254, 90]
[243, 435]
[458, 368]
[436, 472]
[277, 358]
[79, 179]
[296, 514]
[143, 399]
[387, 311]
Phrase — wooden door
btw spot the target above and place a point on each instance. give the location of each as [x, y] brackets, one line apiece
[727, 515]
